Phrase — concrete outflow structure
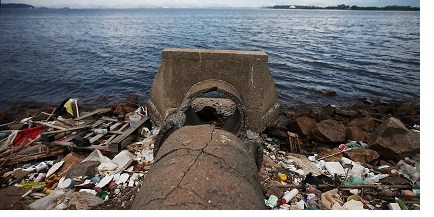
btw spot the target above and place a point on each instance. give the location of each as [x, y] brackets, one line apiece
[243, 76]
[198, 165]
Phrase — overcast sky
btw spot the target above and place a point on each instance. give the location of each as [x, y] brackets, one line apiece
[207, 3]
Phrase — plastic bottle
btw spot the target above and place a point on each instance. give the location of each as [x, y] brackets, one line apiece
[288, 196]
[40, 177]
[41, 166]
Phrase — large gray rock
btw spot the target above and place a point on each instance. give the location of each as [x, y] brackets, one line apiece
[392, 140]
[87, 168]
[302, 125]
[329, 131]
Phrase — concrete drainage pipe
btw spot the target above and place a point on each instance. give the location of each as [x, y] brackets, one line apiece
[201, 167]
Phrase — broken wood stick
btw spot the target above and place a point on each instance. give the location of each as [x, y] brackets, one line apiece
[7, 124]
[331, 155]
[350, 186]
[50, 125]
[67, 130]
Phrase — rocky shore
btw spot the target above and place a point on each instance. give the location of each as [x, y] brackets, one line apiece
[381, 138]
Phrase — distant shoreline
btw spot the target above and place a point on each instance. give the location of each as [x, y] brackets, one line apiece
[346, 7]
[293, 7]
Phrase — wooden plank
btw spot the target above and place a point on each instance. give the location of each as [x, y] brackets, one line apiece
[92, 140]
[121, 141]
[90, 114]
[113, 136]
[50, 125]
[51, 152]
[67, 130]
[72, 135]
[72, 145]
[109, 119]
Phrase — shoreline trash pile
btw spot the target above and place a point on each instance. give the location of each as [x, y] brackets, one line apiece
[37, 172]
[338, 158]
[372, 163]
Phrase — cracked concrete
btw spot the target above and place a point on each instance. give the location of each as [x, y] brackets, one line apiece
[200, 167]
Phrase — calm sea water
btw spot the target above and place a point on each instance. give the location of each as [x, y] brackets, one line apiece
[49, 55]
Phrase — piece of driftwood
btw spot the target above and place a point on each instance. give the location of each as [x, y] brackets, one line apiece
[50, 125]
[68, 130]
[51, 151]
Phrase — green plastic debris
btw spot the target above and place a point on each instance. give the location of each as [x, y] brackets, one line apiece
[401, 204]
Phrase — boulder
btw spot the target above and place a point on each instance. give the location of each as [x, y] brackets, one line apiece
[345, 112]
[122, 108]
[366, 123]
[302, 110]
[362, 155]
[329, 131]
[302, 126]
[87, 168]
[328, 110]
[276, 133]
[355, 134]
[406, 108]
[329, 93]
[392, 140]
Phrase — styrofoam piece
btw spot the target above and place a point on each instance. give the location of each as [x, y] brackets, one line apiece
[334, 168]
[123, 159]
[353, 205]
[123, 178]
[54, 168]
[90, 191]
[394, 206]
[104, 181]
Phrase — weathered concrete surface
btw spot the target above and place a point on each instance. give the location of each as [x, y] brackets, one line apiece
[242, 76]
[200, 167]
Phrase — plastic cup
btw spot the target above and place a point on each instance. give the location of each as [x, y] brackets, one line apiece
[134, 119]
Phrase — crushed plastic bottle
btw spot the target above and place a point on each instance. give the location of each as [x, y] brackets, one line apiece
[272, 201]
[354, 180]
[33, 185]
[375, 179]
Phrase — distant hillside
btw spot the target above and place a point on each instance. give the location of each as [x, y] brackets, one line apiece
[17, 6]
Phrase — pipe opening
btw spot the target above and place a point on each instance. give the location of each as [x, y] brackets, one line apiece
[212, 107]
